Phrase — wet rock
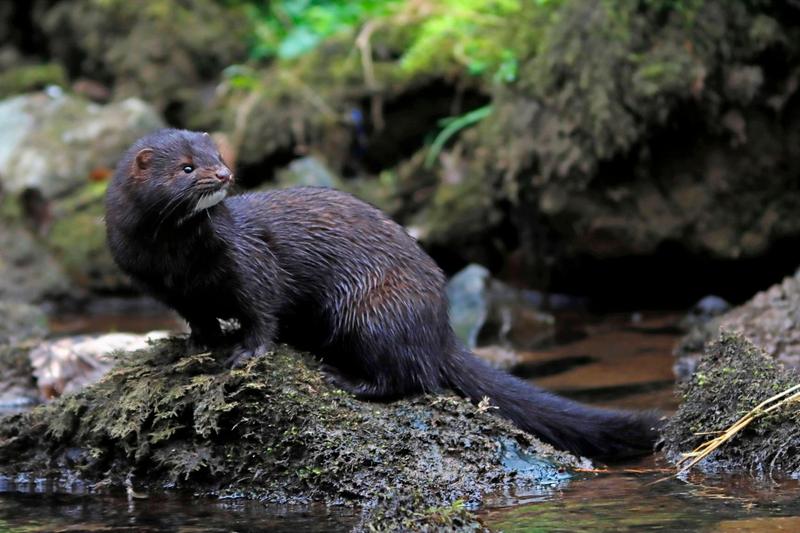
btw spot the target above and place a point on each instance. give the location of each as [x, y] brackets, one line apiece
[732, 377]
[485, 311]
[54, 145]
[273, 430]
[770, 320]
[69, 364]
[466, 292]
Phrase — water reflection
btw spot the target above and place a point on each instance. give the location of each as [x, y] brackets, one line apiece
[68, 512]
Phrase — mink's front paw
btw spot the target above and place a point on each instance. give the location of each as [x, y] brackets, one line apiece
[204, 338]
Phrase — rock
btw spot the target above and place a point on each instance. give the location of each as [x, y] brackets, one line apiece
[705, 310]
[272, 430]
[732, 377]
[147, 51]
[308, 171]
[55, 159]
[20, 321]
[77, 239]
[770, 320]
[488, 312]
[466, 292]
[17, 387]
[28, 272]
[54, 145]
[21, 327]
[69, 364]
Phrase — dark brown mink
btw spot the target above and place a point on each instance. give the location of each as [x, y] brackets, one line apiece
[324, 271]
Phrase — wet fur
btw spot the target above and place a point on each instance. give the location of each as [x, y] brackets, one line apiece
[321, 270]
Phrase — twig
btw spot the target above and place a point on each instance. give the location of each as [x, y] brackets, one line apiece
[365, 48]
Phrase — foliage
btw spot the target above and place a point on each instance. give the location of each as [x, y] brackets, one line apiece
[451, 126]
[475, 35]
[289, 28]
[479, 35]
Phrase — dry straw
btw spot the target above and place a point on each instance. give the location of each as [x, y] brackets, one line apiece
[764, 408]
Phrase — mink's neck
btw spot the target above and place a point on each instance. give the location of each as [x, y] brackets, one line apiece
[161, 224]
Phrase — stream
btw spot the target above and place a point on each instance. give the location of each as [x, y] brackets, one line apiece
[615, 360]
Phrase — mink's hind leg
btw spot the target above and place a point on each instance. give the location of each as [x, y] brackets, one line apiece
[383, 364]
[363, 390]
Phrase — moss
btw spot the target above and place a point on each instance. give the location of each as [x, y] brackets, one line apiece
[77, 238]
[458, 209]
[160, 51]
[30, 78]
[273, 430]
[732, 378]
[28, 273]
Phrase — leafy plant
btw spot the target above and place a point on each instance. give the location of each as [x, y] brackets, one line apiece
[451, 126]
[289, 28]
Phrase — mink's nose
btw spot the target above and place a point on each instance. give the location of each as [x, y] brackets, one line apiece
[224, 175]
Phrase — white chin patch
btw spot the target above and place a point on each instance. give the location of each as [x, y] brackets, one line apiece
[208, 200]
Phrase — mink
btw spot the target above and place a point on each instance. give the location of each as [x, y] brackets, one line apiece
[323, 271]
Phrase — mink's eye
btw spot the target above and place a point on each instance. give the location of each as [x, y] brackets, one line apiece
[188, 169]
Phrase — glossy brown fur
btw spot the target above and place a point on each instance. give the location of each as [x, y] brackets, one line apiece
[324, 271]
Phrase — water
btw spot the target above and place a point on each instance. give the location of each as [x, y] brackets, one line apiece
[643, 497]
[28, 512]
[617, 361]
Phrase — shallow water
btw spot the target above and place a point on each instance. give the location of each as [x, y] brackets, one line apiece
[619, 361]
[39, 512]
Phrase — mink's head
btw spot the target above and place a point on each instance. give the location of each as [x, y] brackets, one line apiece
[174, 173]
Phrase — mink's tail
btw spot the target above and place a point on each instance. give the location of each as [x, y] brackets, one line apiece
[568, 425]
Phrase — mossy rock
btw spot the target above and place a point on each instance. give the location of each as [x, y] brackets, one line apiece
[732, 378]
[55, 144]
[77, 239]
[273, 430]
[162, 51]
[22, 326]
[28, 271]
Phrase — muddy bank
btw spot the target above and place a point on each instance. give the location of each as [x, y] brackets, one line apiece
[733, 377]
[273, 430]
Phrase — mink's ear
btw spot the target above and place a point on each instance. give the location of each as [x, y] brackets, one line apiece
[142, 162]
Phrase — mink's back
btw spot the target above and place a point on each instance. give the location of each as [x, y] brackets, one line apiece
[328, 239]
